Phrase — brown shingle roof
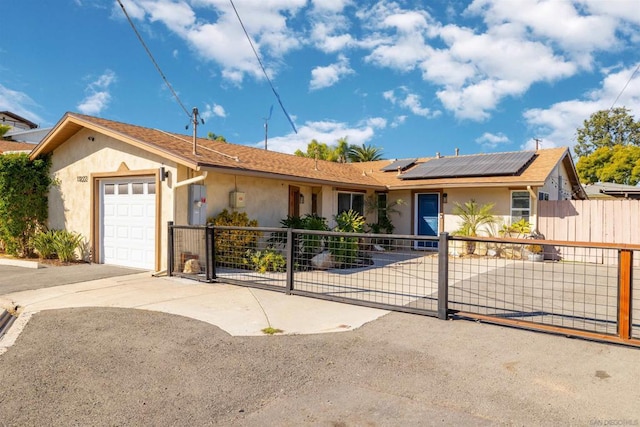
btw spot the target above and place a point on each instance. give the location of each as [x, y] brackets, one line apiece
[233, 158]
[15, 146]
[241, 159]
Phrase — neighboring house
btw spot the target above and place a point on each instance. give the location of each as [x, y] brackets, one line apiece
[120, 184]
[15, 121]
[610, 190]
[15, 147]
[32, 136]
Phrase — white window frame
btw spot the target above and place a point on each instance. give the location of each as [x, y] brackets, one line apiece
[520, 211]
[543, 195]
[351, 194]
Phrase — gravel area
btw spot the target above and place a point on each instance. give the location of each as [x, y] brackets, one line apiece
[105, 366]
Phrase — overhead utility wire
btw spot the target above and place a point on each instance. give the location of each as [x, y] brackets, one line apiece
[262, 66]
[625, 86]
[175, 95]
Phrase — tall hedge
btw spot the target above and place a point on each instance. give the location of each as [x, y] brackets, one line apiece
[24, 185]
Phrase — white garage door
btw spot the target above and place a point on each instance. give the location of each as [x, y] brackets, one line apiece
[128, 222]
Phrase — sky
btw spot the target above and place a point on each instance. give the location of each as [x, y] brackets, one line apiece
[413, 78]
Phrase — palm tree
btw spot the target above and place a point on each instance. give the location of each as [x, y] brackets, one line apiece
[473, 216]
[341, 152]
[366, 153]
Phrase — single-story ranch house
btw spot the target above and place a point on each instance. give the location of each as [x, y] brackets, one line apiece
[119, 185]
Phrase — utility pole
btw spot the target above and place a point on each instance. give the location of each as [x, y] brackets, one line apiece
[538, 141]
[266, 127]
[194, 121]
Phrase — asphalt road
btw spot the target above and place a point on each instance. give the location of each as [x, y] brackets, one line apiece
[106, 366]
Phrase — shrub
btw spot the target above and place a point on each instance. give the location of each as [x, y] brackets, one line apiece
[345, 249]
[231, 245]
[267, 260]
[305, 246]
[66, 243]
[44, 244]
[24, 185]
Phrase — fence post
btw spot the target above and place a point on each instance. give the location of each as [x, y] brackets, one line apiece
[289, 251]
[208, 250]
[443, 276]
[625, 263]
[169, 248]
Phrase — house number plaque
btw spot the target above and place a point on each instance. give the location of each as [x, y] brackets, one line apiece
[83, 178]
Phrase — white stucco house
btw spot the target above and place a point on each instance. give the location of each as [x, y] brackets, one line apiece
[119, 184]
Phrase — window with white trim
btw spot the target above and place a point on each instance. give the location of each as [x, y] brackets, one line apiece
[543, 195]
[520, 206]
[351, 201]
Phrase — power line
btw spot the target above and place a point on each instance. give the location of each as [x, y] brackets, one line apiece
[262, 66]
[175, 95]
[625, 86]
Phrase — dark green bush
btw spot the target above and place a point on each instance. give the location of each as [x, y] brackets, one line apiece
[24, 185]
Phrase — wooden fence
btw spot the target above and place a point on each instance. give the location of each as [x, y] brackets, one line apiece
[595, 221]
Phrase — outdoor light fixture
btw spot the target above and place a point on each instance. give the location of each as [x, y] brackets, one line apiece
[301, 199]
[444, 197]
[163, 174]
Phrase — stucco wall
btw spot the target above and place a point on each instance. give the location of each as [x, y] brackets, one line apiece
[70, 201]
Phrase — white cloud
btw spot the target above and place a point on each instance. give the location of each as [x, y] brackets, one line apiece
[214, 110]
[19, 103]
[98, 96]
[322, 77]
[398, 121]
[557, 21]
[327, 132]
[409, 101]
[491, 140]
[557, 125]
[223, 40]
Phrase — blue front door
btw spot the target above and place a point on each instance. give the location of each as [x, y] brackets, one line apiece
[427, 218]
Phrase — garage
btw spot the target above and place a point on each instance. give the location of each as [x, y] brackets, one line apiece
[128, 222]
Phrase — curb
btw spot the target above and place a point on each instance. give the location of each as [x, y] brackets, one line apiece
[20, 263]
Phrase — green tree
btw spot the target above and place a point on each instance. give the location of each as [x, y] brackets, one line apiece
[212, 136]
[619, 164]
[365, 153]
[607, 128]
[4, 129]
[341, 151]
[315, 148]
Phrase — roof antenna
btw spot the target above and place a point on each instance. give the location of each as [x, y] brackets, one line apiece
[194, 120]
[266, 126]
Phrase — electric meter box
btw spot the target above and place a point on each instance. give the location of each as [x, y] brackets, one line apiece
[236, 199]
[197, 204]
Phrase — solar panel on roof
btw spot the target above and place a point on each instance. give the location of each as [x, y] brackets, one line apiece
[498, 164]
[402, 164]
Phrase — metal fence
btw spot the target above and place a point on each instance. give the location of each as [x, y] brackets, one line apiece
[500, 282]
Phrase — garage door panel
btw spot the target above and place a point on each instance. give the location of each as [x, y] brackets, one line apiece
[128, 224]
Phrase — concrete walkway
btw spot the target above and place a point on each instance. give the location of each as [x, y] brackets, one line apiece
[239, 311]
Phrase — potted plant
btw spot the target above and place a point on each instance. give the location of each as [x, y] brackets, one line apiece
[535, 252]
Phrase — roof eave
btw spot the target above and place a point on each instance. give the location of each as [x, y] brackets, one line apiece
[64, 129]
[272, 175]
